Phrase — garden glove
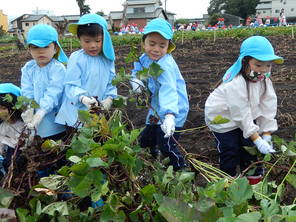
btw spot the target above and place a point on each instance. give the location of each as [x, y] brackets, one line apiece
[263, 146]
[168, 126]
[106, 103]
[27, 115]
[137, 85]
[37, 118]
[88, 101]
[267, 138]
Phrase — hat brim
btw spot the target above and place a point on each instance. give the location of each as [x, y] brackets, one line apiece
[273, 58]
[40, 43]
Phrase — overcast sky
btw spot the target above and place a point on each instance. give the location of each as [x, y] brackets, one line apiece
[14, 8]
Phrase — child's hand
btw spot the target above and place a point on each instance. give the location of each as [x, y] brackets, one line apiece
[263, 146]
[106, 103]
[36, 120]
[27, 115]
[267, 138]
[137, 85]
[88, 101]
[168, 126]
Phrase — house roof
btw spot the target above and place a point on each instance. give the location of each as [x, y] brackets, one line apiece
[33, 18]
[63, 17]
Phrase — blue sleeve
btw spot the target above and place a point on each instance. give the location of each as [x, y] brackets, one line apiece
[168, 95]
[52, 95]
[137, 67]
[110, 89]
[73, 89]
[27, 88]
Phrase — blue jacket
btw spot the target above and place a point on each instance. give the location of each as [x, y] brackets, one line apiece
[89, 76]
[168, 90]
[45, 86]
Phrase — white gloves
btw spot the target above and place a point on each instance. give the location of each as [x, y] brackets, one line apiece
[263, 146]
[137, 85]
[88, 101]
[168, 126]
[37, 118]
[107, 103]
[27, 115]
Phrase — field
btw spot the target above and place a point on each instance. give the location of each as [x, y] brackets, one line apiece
[202, 63]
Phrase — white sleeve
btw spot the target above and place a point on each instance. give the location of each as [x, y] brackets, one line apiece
[268, 107]
[237, 99]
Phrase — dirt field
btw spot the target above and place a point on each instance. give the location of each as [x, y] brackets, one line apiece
[202, 63]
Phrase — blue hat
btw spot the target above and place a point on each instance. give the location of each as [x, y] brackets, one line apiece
[108, 49]
[162, 27]
[257, 47]
[9, 88]
[42, 35]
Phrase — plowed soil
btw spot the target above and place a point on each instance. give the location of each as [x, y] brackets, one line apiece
[202, 63]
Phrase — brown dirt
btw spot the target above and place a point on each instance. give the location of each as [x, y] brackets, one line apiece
[202, 63]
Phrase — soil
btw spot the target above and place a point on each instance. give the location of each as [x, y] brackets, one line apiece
[202, 63]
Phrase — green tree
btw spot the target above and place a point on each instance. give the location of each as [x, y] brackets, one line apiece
[241, 8]
[84, 9]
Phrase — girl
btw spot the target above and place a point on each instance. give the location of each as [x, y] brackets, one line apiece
[168, 93]
[247, 98]
[42, 80]
[90, 70]
[11, 125]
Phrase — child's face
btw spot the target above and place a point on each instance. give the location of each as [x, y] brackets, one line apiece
[258, 70]
[155, 46]
[4, 113]
[91, 45]
[42, 55]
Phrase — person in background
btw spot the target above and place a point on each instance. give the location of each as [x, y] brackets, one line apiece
[169, 101]
[247, 98]
[11, 124]
[90, 70]
[42, 80]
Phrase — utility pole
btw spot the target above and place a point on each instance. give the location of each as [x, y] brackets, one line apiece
[165, 6]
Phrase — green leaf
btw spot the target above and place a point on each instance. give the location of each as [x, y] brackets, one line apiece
[291, 178]
[269, 208]
[240, 191]
[74, 159]
[248, 217]
[220, 120]
[251, 150]
[22, 214]
[148, 191]
[155, 70]
[5, 198]
[8, 98]
[53, 182]
[96, 162]
[60, 207]
[119, 102]
[84, 116]
[186, 177]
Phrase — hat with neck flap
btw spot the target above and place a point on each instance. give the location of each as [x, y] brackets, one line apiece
[258, 47]
[108, 49]
[42, 35]
[162, 27]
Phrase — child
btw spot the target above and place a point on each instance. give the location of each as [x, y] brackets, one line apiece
[42, 80]
[11, 125]
[247, 98]
[168, 91]
[90, 70]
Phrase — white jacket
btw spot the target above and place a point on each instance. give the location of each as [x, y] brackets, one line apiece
[243, 102]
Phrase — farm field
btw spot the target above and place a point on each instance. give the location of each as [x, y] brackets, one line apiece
[202, 63]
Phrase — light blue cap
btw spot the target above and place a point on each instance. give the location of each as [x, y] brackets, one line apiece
[10, 88]
[42, 35]
[108, 49]
[162, 27]
[258, 47]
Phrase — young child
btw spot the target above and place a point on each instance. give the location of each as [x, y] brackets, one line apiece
[169, 99]
[42, 80]
[11, 125]
[90, 70]
[247, 98]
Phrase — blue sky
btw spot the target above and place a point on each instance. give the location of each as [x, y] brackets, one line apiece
[14, 8]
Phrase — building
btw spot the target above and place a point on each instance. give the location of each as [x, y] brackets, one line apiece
[272, 8]
[139, 12]
[3, 21]
[25, 22]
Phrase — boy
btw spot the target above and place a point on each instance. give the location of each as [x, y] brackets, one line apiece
[168, 91]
